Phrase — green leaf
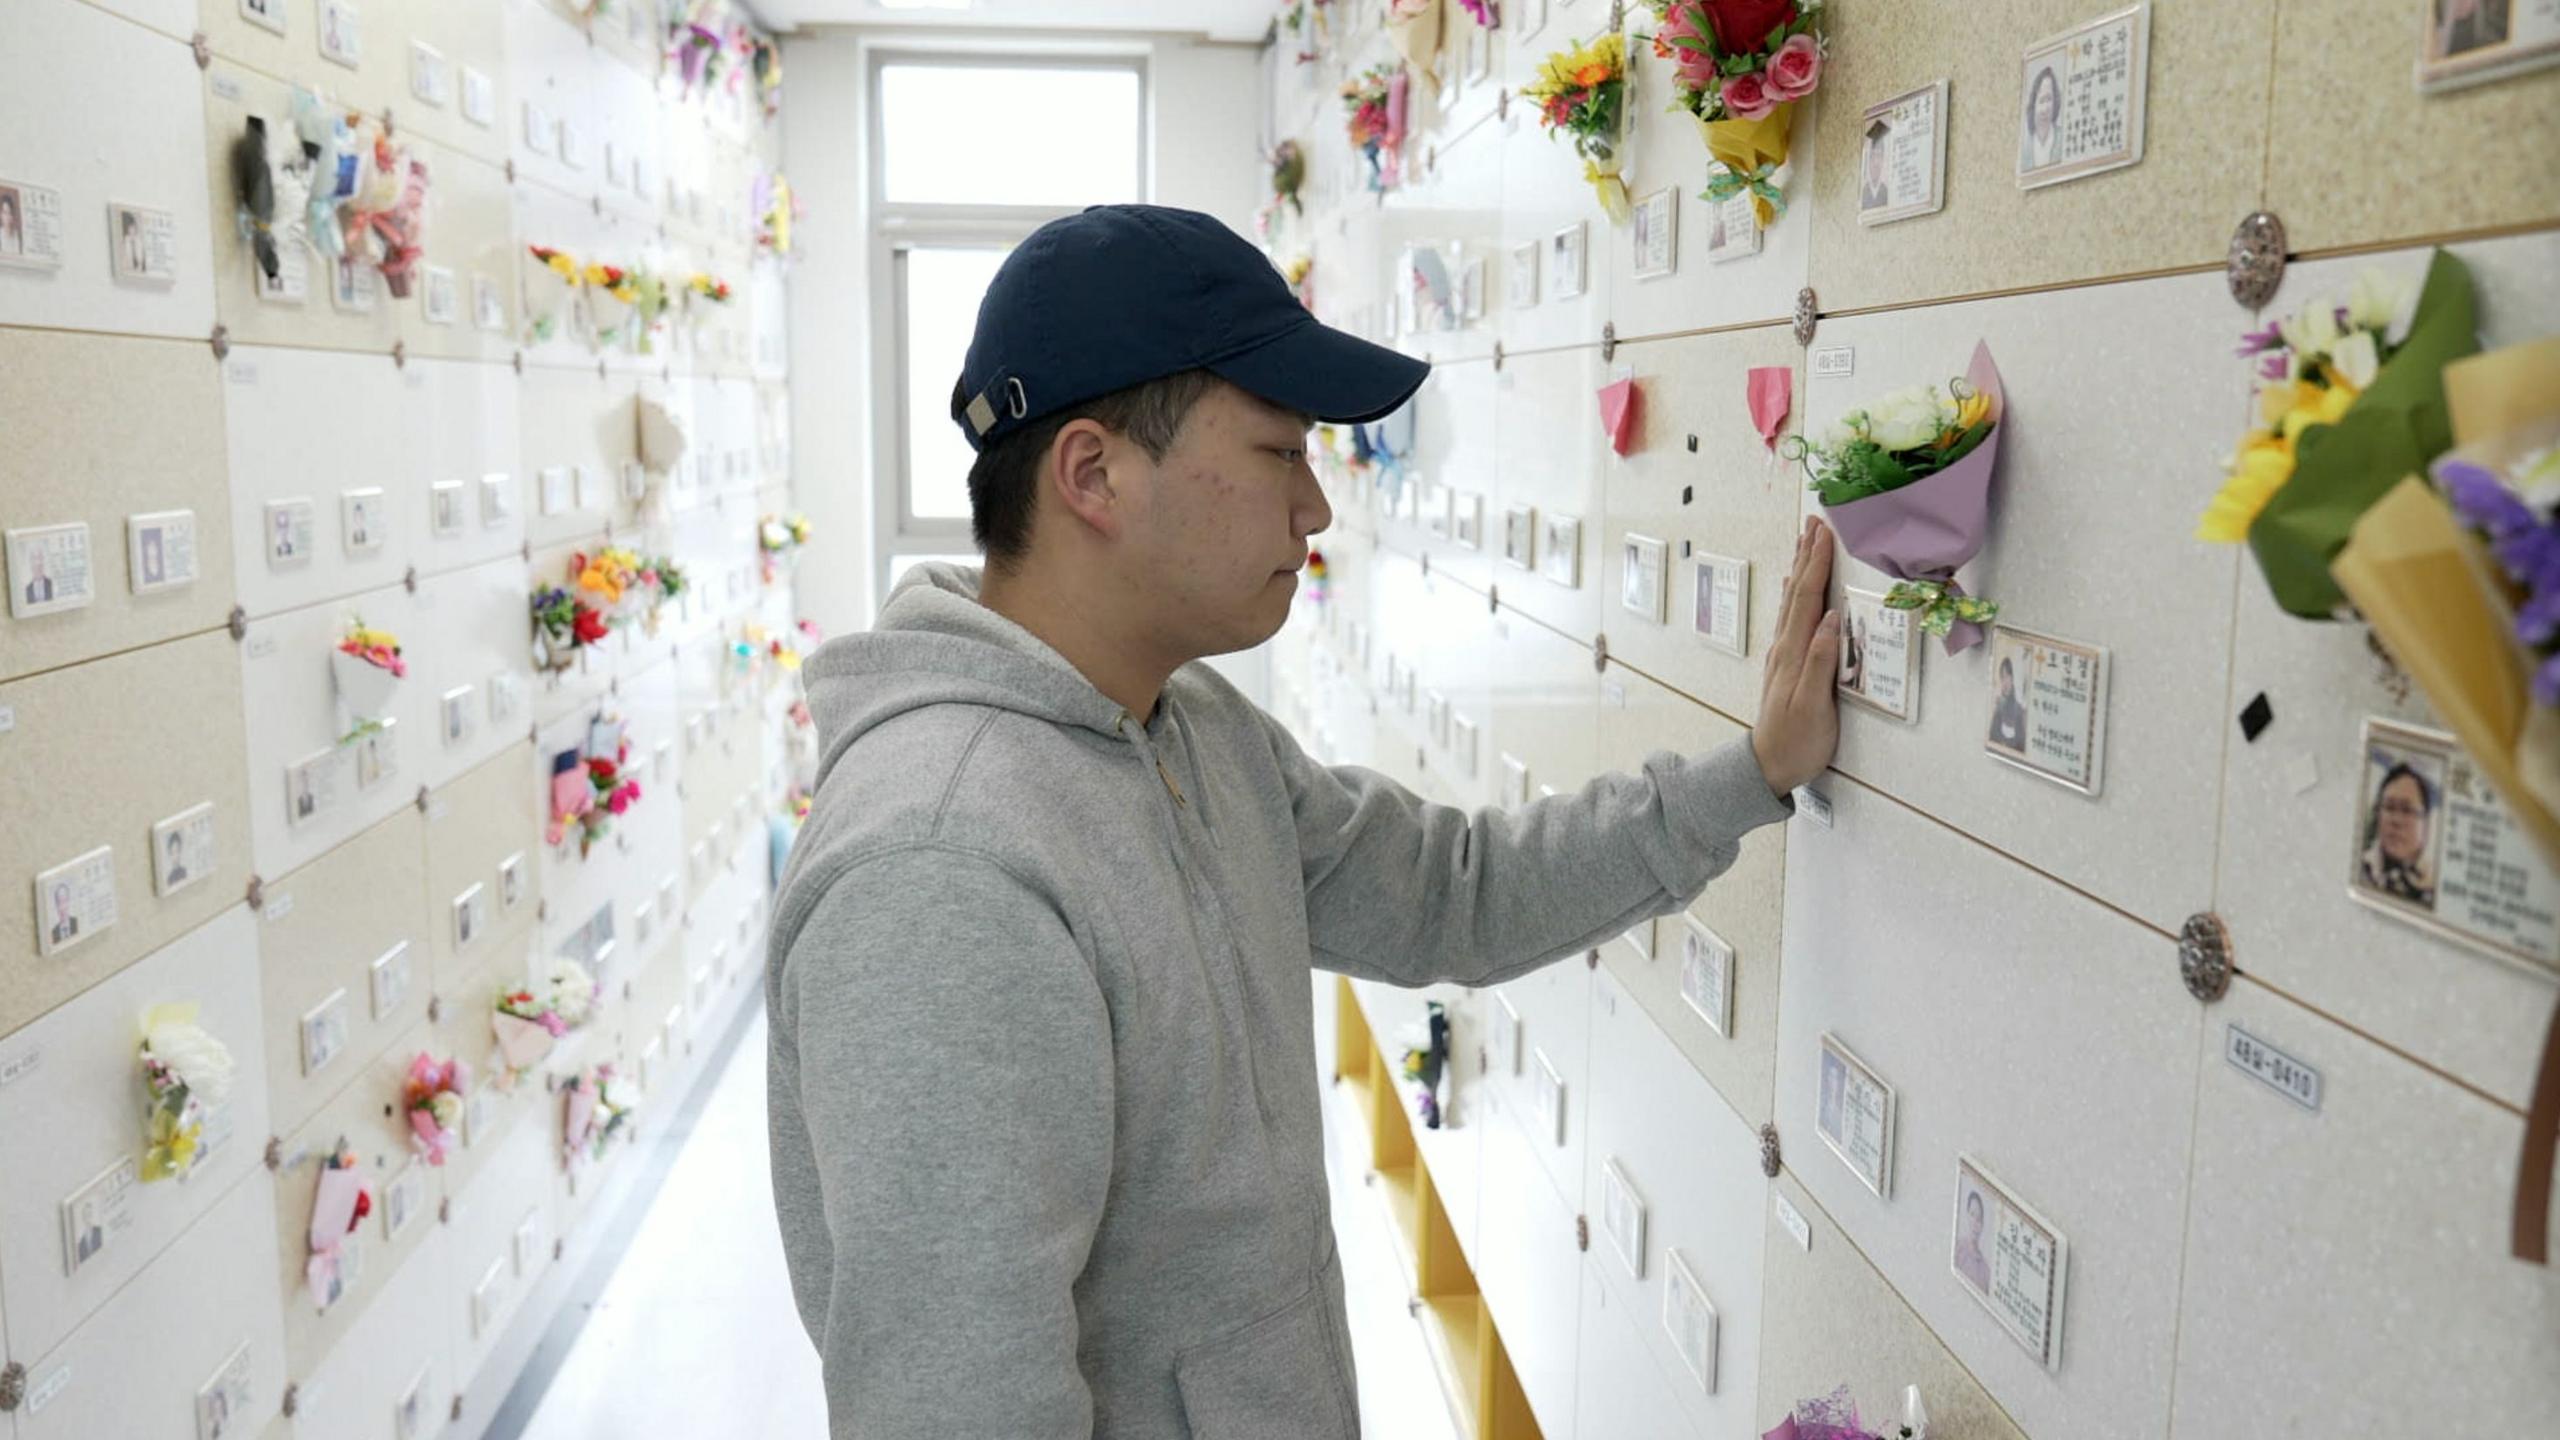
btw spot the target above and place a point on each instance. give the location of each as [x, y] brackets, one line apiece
[1691, 43]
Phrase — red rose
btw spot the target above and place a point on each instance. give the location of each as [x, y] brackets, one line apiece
[1742, 26]
[603, 771]
[589, 627]
[364, 1207]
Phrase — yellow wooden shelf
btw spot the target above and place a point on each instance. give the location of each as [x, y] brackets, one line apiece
[1458, 1331]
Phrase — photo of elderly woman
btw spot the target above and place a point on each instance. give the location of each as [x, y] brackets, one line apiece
[2402, 836]
[2040, 128]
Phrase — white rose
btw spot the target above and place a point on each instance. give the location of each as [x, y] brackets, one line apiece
[447, 1108]
[2311, 333]
[195, 1057]
[1905, 419]
[2381, 301]
[573, 991]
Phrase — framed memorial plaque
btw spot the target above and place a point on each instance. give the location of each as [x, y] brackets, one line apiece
[2010, 1259]
[1853, 1113]
[2048, 707]
[2469, 42]
[1902, 157]
[1879, 666]
[2435, 845]
[2080, 99]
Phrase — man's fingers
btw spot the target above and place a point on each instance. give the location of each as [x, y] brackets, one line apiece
[1821, 660]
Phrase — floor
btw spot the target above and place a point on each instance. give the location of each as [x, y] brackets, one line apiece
[695, 1334]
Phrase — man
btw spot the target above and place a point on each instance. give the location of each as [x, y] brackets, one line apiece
[1875, 192]
[175, 861]
[39, 585]
[66, 926]
[1046, 1138]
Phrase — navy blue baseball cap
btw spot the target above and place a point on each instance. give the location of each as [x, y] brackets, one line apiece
[1124, 294]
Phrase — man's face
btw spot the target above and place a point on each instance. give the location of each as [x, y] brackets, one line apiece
[1218, 528]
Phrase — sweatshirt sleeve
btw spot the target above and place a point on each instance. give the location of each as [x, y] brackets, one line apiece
[954, 1077]
[1409, 892]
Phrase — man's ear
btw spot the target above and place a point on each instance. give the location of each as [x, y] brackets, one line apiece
[1077, 475]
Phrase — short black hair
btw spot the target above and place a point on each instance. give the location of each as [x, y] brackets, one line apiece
[1004, 483]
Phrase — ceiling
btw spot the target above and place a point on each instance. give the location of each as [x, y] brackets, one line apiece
[1237, 20]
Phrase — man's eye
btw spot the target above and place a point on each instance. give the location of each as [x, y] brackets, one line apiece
[1292, 456]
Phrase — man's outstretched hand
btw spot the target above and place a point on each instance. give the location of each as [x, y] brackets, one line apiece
[1799, 714]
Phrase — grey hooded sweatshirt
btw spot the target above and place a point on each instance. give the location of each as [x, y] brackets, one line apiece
[1047, 1148]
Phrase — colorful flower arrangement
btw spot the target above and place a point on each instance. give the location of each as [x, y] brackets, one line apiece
[595, 1108]
[366, 669]
[591, 790]
[775, 209]
[1906, 483]
[2350, 401]
[708, 287]
[1372, 100]
[1582, 92]
[528, 1022]
[779, 538]
[703, 40]
[1288, 177]
[1739, 67]
[185, 1073]
[434, 1097]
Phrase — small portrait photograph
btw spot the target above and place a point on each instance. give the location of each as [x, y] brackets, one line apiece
[49, 569]
[1720, 601]
[1706, 974]
[1568, 257]
[75, 901]
[488, 304]
[13, 223]
[469, 916]
[1471, 286]
[354, 285]
[1973, 1229]
[160, 550]
[2048, 707]
[1523, 283]
[1560, 550]
[1520, 536]
[388, 979]
[2465, 42]
[267, 13]
[324, 1032]
[511, 882]
[30, 226]
[222, 1403]
[360, 513]
[456, 709]
[2008, 712]
[182, 849]
[2400, 828]
[2462, 26]
[2040, 127]
[289, 526]
[409, 1417]
[1656, 230]
[497, 500]
[377, 754]
[1853, 1113]
[444, 508]
[340, 38]
[439, 294]
[1643, 583]
[311, 786]
[143, 244]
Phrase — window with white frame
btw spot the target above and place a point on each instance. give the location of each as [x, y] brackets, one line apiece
[970, 153]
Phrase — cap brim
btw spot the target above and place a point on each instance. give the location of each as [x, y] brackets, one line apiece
[1319, 371]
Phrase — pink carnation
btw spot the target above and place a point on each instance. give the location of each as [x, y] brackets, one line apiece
[1697, 68]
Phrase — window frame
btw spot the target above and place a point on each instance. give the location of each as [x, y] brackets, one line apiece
[899, 228]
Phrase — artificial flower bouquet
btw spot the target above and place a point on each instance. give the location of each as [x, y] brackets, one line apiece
[778, 538]
[434, 1098]
[339, 1203]
[776, 209]
[563, 625]
[1582, 92]
[185, 1073]
[2461, 580]
[596, 1107]
[1835, 1417]
[2350, 402]
[529, 1021]
[551, 292]
[1373, 102]
[1739, 67]
[1906, 483]
[1288, 177]
[366, 669]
